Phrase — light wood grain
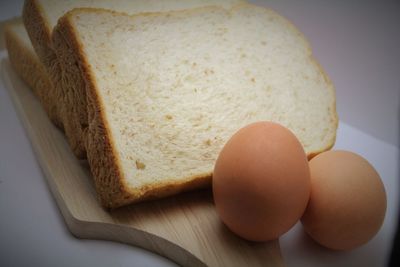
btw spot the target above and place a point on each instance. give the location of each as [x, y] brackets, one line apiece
[184, 228]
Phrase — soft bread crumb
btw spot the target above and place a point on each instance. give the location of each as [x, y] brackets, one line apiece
[160, 68]
[66, 96]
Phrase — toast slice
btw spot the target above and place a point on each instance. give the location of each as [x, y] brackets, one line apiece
[28, 66]
[165, 91]
[40, 17]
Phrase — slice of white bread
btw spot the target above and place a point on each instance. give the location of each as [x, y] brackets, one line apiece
[40, 17]
[28, 66]
[165, 91]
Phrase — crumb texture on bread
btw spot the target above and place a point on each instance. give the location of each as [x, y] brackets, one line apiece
[41, 17]
[166, 91]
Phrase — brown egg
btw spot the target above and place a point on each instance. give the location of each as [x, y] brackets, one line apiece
[261, 181]
[347, 202]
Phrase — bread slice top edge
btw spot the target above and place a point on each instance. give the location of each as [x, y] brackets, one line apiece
[41, 16]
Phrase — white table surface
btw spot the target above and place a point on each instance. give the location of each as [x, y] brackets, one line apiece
[357, 42]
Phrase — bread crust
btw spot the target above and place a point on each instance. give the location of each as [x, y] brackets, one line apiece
[71, 86]
[31, 70]
[40, 34]
[334, 120]
[103, 164]
[38, 30]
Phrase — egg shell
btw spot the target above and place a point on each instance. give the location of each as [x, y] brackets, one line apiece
[347, 203]
[261, 181]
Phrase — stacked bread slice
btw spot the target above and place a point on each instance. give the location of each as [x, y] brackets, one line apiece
[29, 67]
[151, 98]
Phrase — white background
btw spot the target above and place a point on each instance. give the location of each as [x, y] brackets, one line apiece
[357, 43]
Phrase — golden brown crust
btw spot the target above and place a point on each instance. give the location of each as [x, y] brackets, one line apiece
[24, 62]
[103, 161]
[334, 116]
[66, 71]
[40, 34]
[30, 69]
[164, 189]
[38, 29]
[100, 153]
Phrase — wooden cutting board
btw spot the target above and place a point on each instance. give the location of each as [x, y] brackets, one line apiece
[184, 228]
